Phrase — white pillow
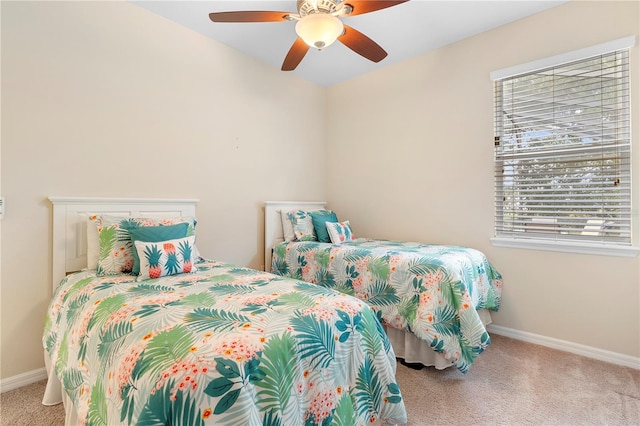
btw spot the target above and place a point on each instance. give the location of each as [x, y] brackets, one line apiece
[287, 226]
[171, 257]
[93, 244]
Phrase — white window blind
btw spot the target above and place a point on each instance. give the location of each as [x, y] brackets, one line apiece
[563, 152]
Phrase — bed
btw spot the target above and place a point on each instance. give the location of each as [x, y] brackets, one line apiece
[434, 300]
[209, 342]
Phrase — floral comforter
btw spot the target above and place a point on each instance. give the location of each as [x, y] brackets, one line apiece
[432, 291]
[224, 346]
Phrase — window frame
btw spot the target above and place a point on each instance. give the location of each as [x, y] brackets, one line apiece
[547, 242]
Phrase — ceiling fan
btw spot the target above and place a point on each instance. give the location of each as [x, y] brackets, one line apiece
[318, 25]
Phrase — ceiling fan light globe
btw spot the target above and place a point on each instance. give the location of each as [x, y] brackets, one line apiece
[319, 30]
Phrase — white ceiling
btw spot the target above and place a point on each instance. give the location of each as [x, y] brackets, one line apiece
[404, 31]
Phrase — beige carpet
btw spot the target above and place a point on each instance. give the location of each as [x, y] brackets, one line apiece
[511, 383]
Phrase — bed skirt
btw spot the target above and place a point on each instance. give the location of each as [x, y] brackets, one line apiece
[54, 395]
[413, 350]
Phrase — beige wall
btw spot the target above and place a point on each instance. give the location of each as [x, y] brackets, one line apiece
[107, 99]
[420, 138]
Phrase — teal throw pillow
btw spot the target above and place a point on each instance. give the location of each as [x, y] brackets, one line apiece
[155, 234]
[319, 219]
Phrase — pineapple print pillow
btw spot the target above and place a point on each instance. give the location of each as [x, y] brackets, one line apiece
[339, 232]
[154, 234]
[172, 257]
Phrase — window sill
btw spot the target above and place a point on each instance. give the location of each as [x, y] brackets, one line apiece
[566, 246]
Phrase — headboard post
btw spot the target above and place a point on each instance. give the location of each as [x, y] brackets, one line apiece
[273, 233]
[70, 214]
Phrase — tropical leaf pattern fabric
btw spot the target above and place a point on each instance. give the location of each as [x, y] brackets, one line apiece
[432, 291]
[302, 225]
[225, 346]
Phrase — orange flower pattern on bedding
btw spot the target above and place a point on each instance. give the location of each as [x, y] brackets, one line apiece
[224, 345]
[432, 291]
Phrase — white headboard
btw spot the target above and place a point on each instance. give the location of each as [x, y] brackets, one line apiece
[70, 224]
[273, 233]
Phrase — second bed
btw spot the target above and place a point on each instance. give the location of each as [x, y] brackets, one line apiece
[434, 300]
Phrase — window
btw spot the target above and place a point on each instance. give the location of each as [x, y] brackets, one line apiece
[563, 152]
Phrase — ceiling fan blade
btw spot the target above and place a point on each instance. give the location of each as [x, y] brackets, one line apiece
[362, 45]
[295, 55]
[249, 16]
[366, 6]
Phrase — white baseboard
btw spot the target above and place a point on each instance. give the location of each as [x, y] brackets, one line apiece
[23, 379]
[563, 345]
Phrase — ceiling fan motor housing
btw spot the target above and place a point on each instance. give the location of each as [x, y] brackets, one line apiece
[307, 7]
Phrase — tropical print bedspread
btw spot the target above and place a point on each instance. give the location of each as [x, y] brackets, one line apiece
[432, 291]
[224, 346]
